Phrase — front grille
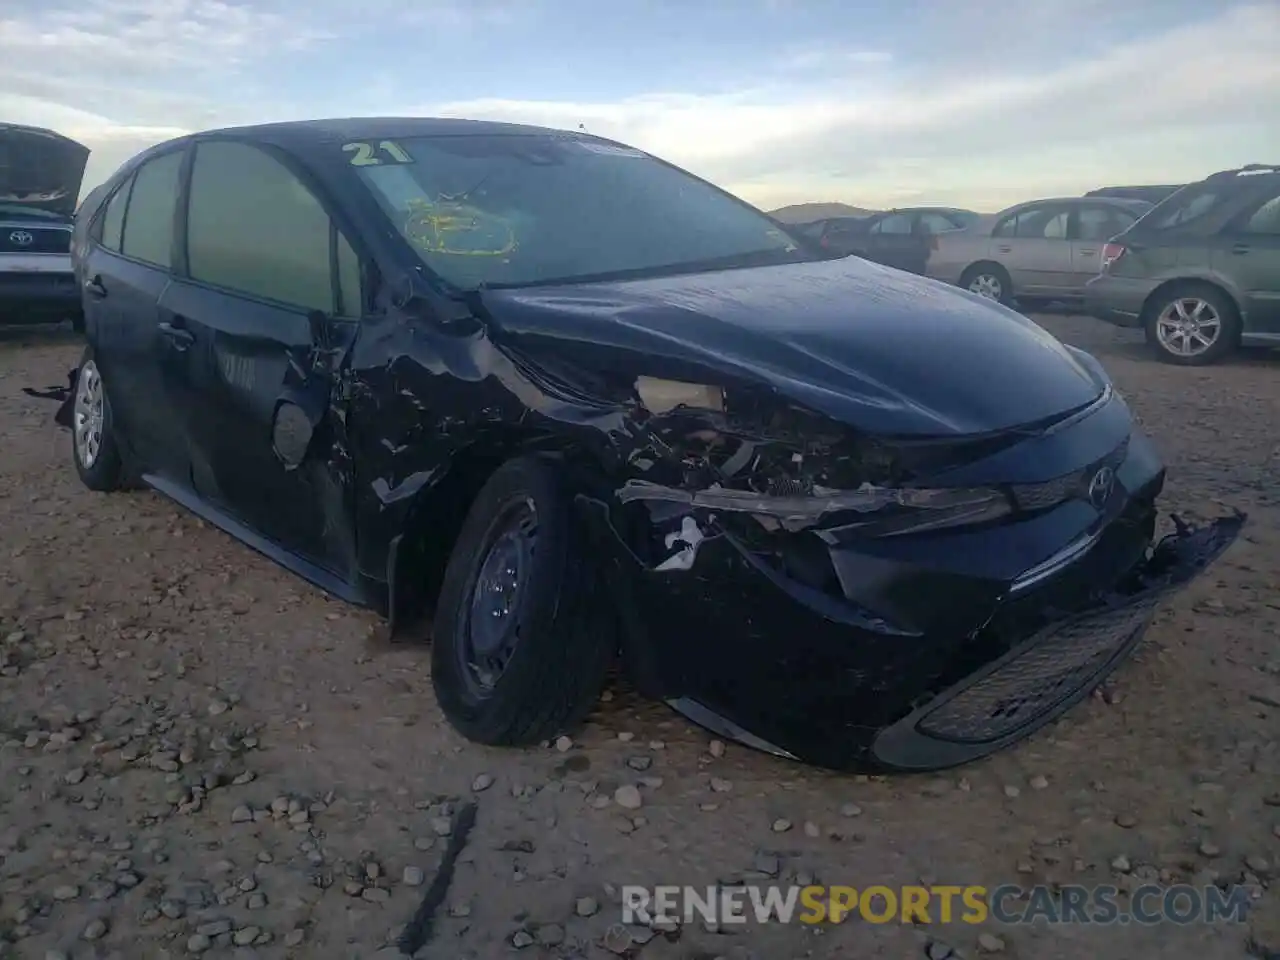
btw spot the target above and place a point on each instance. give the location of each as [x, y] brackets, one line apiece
[41, 239]
[1050, 493]
[1038, 676]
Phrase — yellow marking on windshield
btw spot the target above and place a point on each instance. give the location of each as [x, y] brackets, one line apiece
[433, 228]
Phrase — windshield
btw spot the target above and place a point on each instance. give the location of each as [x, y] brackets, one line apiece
[485, 211]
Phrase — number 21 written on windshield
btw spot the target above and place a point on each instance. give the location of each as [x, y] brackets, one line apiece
[370, 155]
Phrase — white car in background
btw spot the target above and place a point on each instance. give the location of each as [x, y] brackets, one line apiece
[1043, 250]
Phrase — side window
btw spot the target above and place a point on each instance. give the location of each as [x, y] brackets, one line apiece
[1008, 227]
[894, 223]
[1266, 219]
[1055, 228]
[937, 223]
[148, 223]
[1191, 205]
[1035, 223]
[112, 222]
[1099, 224]
[252, 226]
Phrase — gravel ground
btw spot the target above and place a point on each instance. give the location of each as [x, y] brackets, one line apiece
[202, 754]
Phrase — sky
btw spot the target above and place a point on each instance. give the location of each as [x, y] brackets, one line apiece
[975, 103]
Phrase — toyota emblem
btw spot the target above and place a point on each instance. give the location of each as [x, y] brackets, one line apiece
[20, 238]
[1100, 486]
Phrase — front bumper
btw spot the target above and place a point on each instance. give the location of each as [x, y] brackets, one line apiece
[924, 651]
[38, 296]
[1046, 674]
[1117, 300]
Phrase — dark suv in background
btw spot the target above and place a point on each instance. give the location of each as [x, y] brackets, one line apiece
[1201, 271]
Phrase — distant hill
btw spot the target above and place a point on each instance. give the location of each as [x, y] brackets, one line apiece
[807, 212]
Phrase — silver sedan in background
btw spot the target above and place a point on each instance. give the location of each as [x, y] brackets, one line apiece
[1043, 250]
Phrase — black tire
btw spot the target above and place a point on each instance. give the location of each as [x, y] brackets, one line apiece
[996, 272]
[106, 472]
[1228, 339]
[565, 636]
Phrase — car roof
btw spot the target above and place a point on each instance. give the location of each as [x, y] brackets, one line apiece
[369, 128]
[295, 135]
[1079, 202]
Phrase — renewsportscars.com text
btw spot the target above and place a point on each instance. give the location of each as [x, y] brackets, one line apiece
[1006, 904]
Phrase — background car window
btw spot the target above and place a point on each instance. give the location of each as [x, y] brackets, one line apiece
[1055, 228]
[894, 223]
[1266, 219]
[937, 223]
[113, 217]
[1035, 223]
[1183, 208]
[148, 222]
[1102, 223]
[253, 227]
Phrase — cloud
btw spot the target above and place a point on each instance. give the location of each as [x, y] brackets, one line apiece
[122, 75]
[1145, 110]
[980, 104]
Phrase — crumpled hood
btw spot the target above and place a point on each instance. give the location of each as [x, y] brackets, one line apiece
[40, 169]
[875, 348]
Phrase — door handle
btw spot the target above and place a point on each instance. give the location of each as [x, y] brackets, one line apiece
[1240, 249]
[180, 337]
[1089, 253]
[94, 288]
[1005, 249]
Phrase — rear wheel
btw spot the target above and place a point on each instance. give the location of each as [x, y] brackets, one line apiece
[93, 442]
[989, 280]
[1192, 325]
[522, 638]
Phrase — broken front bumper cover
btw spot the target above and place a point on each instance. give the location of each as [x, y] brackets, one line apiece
[1045, 675]
[995, 705]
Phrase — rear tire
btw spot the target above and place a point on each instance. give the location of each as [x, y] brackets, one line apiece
[1181, 318]
[94, 449]
[989, 280]
[520, 581]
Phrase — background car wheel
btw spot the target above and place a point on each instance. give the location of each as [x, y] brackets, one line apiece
[522, 639]
[1193, 325]
[989, 280]
[93, 442]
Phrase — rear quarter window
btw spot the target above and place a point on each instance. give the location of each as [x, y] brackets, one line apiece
[1188, 207]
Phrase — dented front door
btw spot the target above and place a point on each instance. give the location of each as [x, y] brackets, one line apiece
[258, 393]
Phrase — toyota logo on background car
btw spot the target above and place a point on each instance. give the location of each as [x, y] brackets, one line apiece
[20, 238]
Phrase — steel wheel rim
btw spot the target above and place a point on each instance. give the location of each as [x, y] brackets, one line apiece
[1188, 326]
[987, 285]
[491, 630]
[89, 407]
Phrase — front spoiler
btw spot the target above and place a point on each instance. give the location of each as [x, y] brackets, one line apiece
[1044, 676]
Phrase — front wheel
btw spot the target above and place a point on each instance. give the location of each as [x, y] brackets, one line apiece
[522, 640]
[93, 443]
[989, 280]
[1193, 326]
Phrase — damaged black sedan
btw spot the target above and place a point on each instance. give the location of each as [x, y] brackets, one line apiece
[572, 405]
